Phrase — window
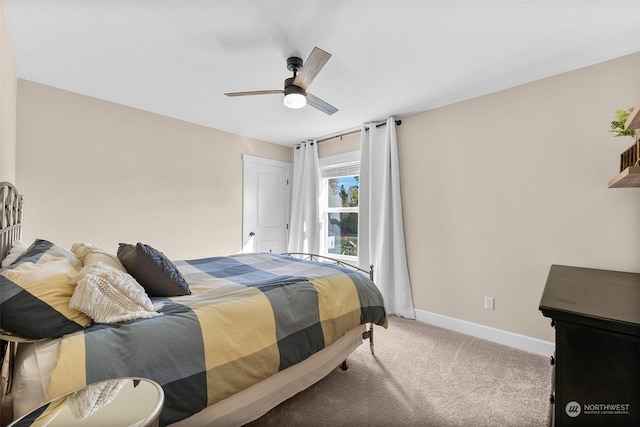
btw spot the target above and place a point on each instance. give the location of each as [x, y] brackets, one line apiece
[340, 190]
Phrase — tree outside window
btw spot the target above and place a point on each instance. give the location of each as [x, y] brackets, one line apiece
[342, 215]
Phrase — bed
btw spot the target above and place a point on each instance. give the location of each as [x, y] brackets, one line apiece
[227, 338]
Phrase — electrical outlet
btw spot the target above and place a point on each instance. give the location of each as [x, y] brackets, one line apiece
[488, 303]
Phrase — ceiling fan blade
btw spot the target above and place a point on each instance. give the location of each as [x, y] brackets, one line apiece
[311, 67]
[321, 105]
[255, 92]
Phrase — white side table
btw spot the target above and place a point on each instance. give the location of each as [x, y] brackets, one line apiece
[134, 402]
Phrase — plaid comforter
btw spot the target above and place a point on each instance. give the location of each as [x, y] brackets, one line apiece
[248, 317]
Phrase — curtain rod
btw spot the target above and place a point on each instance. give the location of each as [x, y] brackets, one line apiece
[349, 132]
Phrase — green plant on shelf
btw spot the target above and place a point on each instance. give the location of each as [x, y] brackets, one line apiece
[617, 125]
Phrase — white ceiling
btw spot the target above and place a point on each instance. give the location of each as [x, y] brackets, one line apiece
[177, 58]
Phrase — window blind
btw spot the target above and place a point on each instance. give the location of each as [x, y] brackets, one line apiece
[345, 169]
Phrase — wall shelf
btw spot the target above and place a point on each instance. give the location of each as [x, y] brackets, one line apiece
[633, 122]
[630, 177]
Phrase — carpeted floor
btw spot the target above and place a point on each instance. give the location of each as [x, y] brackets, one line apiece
[422, 375]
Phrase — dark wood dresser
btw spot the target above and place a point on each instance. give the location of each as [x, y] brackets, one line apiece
[596, 315]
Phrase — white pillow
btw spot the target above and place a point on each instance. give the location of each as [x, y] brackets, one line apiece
[107, 295]
[89, 254]
[16, 250]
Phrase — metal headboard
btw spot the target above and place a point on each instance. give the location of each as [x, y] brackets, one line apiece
[10, 230]
[322, 258]
[10, 217]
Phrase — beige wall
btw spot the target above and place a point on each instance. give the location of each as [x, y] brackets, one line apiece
[103, 173]
[8, 85]
[498, 188]
[339, 145]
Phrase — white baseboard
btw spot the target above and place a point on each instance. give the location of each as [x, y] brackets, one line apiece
[521, 342]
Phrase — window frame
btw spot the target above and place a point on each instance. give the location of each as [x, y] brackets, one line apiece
[325, 162]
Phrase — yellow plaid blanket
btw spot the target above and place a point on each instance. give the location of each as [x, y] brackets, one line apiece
[248, 317]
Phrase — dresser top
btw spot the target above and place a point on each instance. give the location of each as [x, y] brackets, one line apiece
[575, 292]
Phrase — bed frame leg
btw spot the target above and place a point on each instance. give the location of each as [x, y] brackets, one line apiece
[369, 334]
[344, 365]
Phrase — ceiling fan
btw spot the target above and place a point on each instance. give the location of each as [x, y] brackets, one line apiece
[295, 88]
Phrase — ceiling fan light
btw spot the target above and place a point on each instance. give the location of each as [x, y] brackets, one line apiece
[295, 100]
[294, 97]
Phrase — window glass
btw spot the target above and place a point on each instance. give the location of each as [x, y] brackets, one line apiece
[343, 192]
[342, 233]
[342, 215]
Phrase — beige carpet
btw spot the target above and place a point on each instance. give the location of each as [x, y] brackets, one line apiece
[422, 375]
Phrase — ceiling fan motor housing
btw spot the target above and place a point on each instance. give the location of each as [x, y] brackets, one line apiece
[289, 87]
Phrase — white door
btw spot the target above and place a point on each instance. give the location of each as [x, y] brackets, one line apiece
[265, 206]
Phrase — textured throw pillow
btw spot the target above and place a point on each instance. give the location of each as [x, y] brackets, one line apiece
[45, 249]
[153, 270]
[108, 295]
[90, 254]
[86, 401]
[16, 250]
[35, 294]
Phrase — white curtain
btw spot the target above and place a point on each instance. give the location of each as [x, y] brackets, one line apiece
[381, 231]
[304, 227]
